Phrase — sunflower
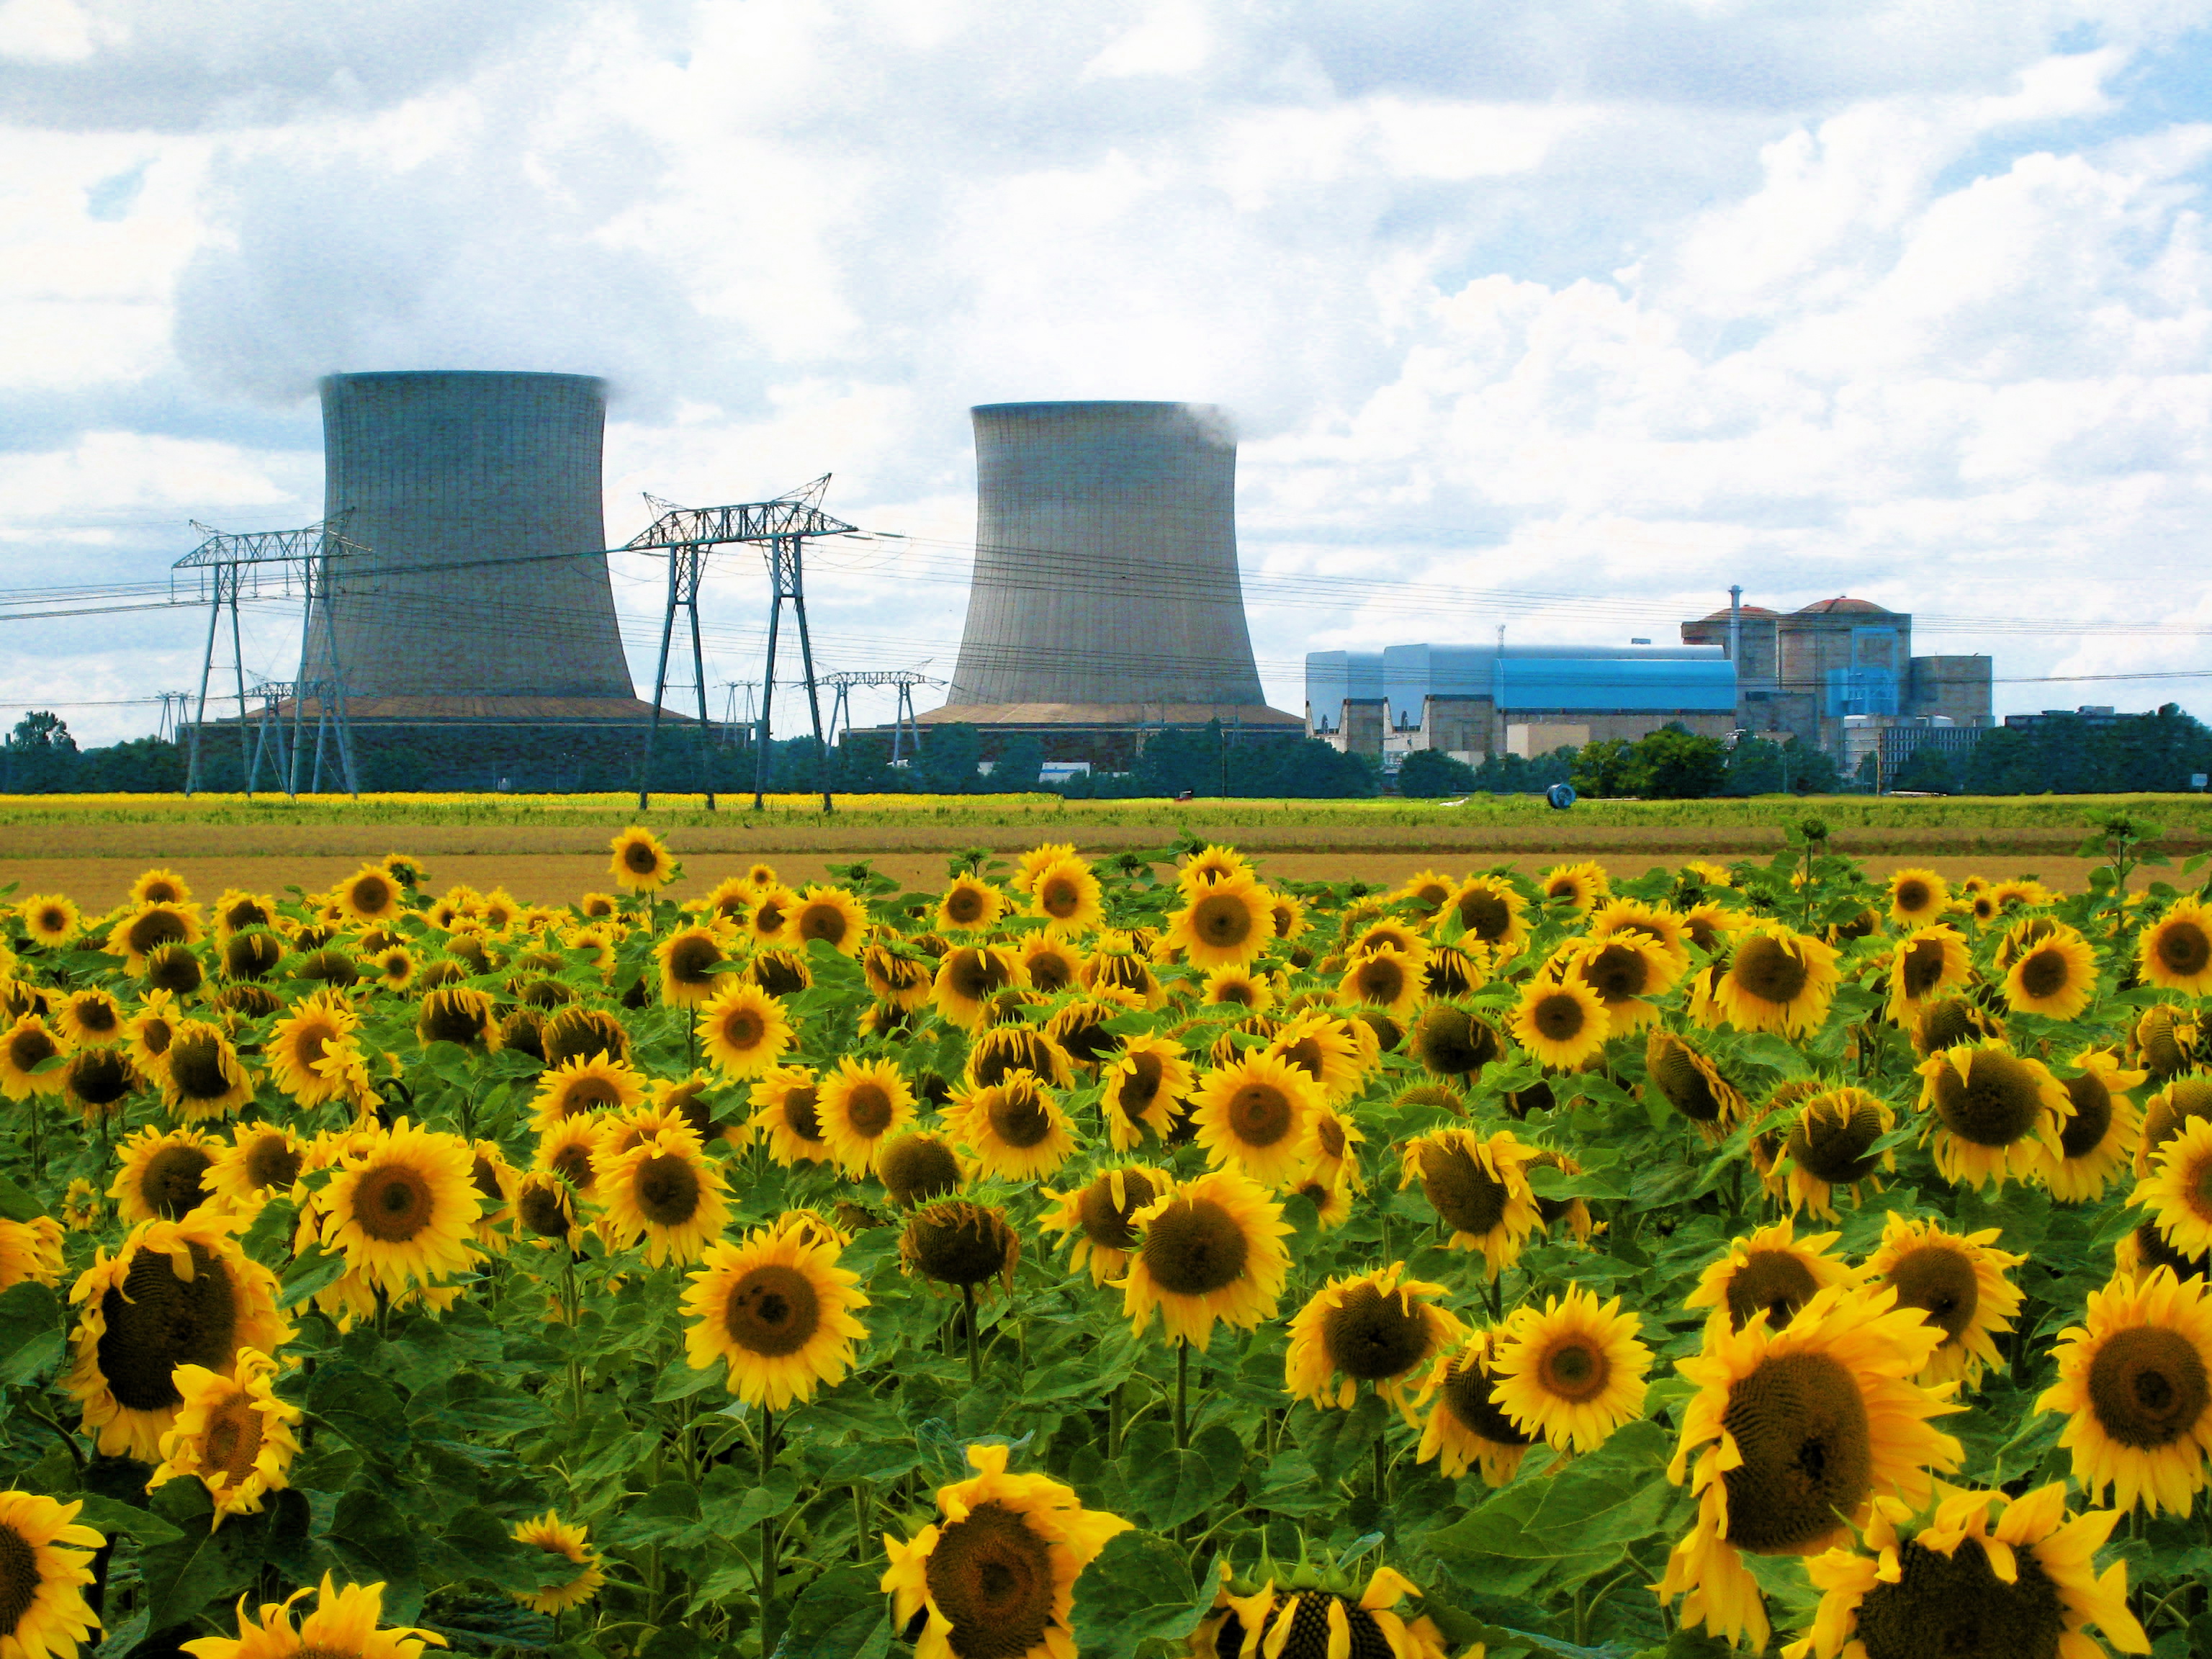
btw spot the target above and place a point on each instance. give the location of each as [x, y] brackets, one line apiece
[1452, 1042]
[1425, 892]
[372, 893]
[967, 978]
[1255, 1115]
[401, 1207]
[456, 1013]
[149, 927]
[1210, 867]
[778, 1310]
[48, 919]
[1626, 969]
[176, 1293]
[1066, 894]
[830, 915]
[1033, 863]
[585, 1034]
[1466, 1425]
[1772, 1272]
[1775, 981]
[90, 1018]
[1563, 1022]
[1094, 1217]
[787, 1108]
[2167, 1112]
[996, 1572]
[1306, 1620]
[581, 1088]
[1326, 1049]
[1917, 897]
[2101, 1137]
[1378, 1328]
[2135, 1384]
[232, 1434]
[640, 863]
[1004, 1050]
[1958, 1283]
[1225, 924]
[664, 1190]
[916, 1166]
[1927, 961]
[1479, 1189]
[744, 1031]
[1994, 1114]
[344, 1625]
[567, 1148]
[1579, 887]
[1115, 965]
[96, 1079]
[79, 1208]
[1386, 979]
[958, 1242]
[862, 1105]
[298, 1047]
[557, 1538]
[770, 920]
[968, 904]
[1791, 1436]
[545, 1210]
[1690, 1083]
[1491, 912]
[1829, 1142]
[1210, 1247]
[200, 1073]
[1572, 1373]
[47, 1558]
[1143, 1086]
[1050, 964]
[2025, 1585]
[30, 1251]
[692, 964]
[2055, 977]
[1014, 1127]
[2178, 1193]
[25, 1046]
[1386, 934]
[164, 1175]
[237, 910]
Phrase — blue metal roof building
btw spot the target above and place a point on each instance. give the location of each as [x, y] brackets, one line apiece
[1550, 679]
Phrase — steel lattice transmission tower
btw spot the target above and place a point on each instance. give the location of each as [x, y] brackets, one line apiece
[227, 568]
[781, 529]
[902, 722]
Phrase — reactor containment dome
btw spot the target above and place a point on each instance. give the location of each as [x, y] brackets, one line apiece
[1105, 596]
[483, 595]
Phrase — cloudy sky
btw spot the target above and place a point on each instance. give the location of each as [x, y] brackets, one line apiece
[1561, 314]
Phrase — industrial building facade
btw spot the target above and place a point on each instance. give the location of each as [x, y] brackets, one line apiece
[1473, 702]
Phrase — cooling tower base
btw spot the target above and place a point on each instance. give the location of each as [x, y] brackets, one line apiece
[1109, 735]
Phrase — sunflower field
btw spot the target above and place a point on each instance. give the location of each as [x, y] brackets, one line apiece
[1135, 1259]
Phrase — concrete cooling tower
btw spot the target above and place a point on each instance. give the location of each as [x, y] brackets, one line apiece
[475, 494]
[1105, 592]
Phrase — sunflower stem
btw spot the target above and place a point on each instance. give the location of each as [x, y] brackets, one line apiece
[1183, 1396]
[975, 1353]
[1381, 1478]
[768, 1537]
[859, 1524]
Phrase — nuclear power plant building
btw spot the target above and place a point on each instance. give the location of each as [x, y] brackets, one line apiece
[1473, 702]
[482, 597]
[1106, 599]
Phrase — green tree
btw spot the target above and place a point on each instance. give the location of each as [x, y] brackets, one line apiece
[1018, 764]
[1928, 769]
[1676, 763]
[949, 755]
[1605, 766]
[1431, 775]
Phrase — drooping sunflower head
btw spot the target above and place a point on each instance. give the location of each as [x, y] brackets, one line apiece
[1115, 965]
[968, 977]
[1142, 1087]
[579, 1033]
[1096, 1217]
[1995, 1114]
[97, 1079]
[1457, 971]
[1004, 1050]
[232, 1434]
[640, 863]
[1378, 1328]
[151, 925]
[1478, 1188]
[1958, 1283]
[1831, 1142]
[545, 1210]
[1452, 1042]
[916, 1166]
[201, 1075]
[1690, 1082]
[459, 1014]
[1466, 1425]
[961, 1244]
[1770, 1273]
